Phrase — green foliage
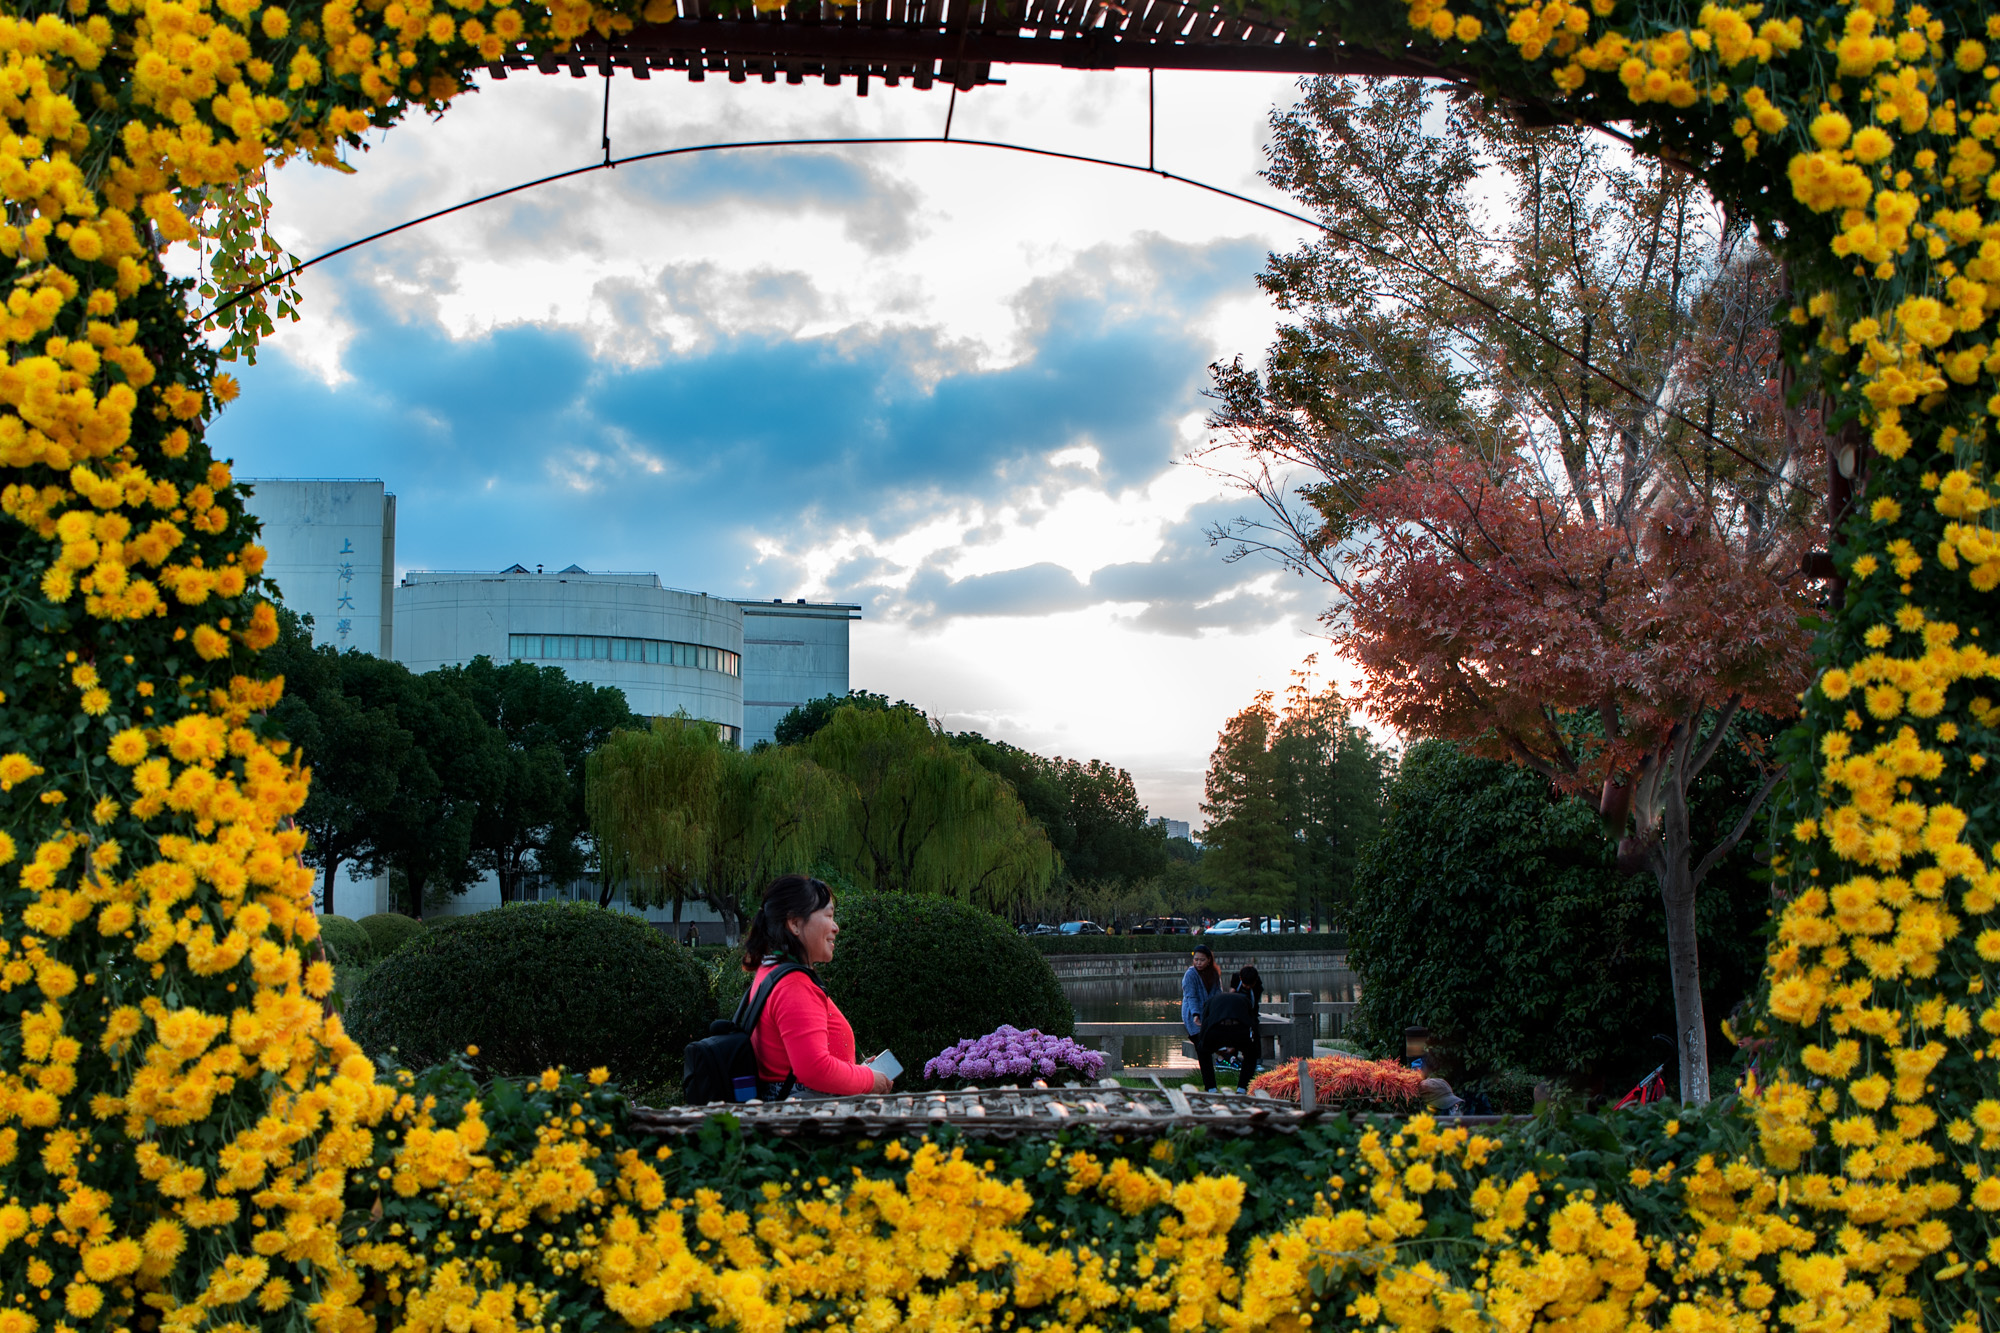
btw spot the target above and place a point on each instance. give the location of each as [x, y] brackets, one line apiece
[1333, 775]
[1090, 811]
[346, 940]
[404, 767]
[1292, 798]
[1493, 913]
[1249, 846]
[389, 931]
[533, 826]
[679, 813]
[802, 723]
[923, 817]
[536, 985]
[916, 973]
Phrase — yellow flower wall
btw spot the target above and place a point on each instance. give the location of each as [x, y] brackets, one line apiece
[188, 1143]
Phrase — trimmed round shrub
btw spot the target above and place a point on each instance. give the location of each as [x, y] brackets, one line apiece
[346, 940]
[390, 931]
[535, 985]
[918, 974]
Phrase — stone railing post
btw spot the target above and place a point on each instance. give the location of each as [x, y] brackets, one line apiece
[1299, 1036]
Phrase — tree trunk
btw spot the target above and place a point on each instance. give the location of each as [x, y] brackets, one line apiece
[416, 886]
[326, 894]
[1673, 867]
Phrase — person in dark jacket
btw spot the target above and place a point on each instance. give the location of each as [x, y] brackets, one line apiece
[1229, 1022]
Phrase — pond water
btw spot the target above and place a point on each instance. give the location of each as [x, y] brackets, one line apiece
[1158, 999]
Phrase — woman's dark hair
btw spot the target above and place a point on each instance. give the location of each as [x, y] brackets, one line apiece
[1211, 975]
[787, 898]
[1246, 976]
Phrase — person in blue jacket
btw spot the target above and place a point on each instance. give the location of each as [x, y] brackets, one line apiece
[1199, 982]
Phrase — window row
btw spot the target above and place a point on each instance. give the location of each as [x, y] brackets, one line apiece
[598, 648]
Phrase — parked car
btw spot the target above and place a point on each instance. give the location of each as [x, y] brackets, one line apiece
[1235, 925]
[1083, 928]
[1035, 928]
[1162, 925]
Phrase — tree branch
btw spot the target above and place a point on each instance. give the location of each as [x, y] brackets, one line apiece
[1723, 848]
[1722, 721]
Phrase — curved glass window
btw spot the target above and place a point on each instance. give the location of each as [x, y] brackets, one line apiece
[599, 648]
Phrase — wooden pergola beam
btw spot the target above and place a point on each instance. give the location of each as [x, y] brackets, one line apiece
[959, 44]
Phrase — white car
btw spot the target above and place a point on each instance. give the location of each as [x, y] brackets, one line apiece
[1236, 925]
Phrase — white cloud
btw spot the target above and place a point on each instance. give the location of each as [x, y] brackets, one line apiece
[976, 249]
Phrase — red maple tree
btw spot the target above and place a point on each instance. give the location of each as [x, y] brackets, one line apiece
[1540, 452]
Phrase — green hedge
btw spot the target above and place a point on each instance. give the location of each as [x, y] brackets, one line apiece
[916, 974]
[346, 940]
[1052, 944]
[534, 985]
[390, 931]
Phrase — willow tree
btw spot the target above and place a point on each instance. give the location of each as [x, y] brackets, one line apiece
[652, 797]
[925, 817]
[679, 813]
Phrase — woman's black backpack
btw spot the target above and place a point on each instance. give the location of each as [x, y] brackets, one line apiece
[721, 1067]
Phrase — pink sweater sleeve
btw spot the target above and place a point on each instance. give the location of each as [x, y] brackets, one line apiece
[804, 1019]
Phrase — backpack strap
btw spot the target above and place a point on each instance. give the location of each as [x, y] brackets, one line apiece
[754, 1002]
[755, 1005]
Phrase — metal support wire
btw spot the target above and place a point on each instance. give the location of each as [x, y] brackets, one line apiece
[1485, 303]
[949, 112]
[607, 114]
[1151, 118]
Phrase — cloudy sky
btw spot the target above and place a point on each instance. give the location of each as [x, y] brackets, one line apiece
[954, 385]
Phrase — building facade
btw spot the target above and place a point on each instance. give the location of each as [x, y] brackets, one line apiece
[332, 545]
[669, 651]
[792, 652]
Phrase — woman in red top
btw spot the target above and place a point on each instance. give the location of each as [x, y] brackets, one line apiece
[801, 1032]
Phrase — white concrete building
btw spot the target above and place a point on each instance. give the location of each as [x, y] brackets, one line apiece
[333, 555]
[669, 651]
[793, 652]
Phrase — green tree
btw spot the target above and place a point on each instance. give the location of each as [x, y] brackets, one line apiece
[1491, 910]
[1112, 839]
[1248, 837]
[778, 810]
[802, 723]
[339, 710]
[1033, 780]
[456, 770]
[678, 813]
[534, 826]
[922, 816]
[1333, 773]
[1090, 811]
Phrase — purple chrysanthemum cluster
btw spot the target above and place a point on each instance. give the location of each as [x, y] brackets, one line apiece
[1008, 1052]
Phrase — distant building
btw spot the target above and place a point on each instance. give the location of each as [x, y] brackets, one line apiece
[1176, 828]
[332, 547]
[669, 651]
[792, 652]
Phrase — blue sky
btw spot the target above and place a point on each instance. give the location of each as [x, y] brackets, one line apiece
[954, 386]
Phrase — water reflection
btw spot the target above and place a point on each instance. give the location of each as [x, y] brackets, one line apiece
[1158, 999]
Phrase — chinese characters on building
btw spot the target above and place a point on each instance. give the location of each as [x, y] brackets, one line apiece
[343, 624]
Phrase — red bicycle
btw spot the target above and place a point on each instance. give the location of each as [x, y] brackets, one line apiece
[1650, 1089]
